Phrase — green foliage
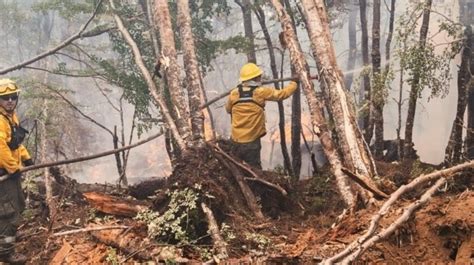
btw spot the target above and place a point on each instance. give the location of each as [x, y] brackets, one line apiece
[419, 168]
[427, 67]
[112, 257]
[279, 169]
[258, 241]
[205, 253]
[66, 8]
[177, 223]
[227, 232]
[321, 189]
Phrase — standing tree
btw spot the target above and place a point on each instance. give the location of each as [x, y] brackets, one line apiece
[367, 124]
[172, 69]
[320, 127]
[260, 14]
[408, 150]
[246, 7]
[192, 73]
[454, 148]
[351, 59]
[377, 97]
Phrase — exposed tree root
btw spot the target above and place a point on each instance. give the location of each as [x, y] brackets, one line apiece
[246, 191]
[249, 170]
[386, 206]
[219, 243]
[402, 219]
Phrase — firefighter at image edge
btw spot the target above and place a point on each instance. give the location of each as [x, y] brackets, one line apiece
[12, 155]
[246, 105]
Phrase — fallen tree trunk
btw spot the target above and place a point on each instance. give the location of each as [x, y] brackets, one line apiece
[114, 205]
[393, 198]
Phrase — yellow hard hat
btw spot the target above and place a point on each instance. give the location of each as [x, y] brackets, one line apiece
[8, 86]
[249, 71]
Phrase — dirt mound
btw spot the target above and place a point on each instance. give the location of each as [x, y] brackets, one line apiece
[295, 228]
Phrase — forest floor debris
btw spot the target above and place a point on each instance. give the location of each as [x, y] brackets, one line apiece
[296, 228]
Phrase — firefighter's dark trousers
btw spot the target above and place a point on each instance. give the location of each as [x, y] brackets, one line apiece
[248, 152]
[12, 204]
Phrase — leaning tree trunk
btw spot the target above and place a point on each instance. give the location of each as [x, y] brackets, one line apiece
[357, 156]
[246, 7]
[408, 144]
[149, 80]
[351, 59]
[367, 114]
[320, 127]
[192, 72]
[172, 70]
[378, 81]
[454, 148]
[260, 14]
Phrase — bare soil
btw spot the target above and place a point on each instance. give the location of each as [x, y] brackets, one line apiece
[297, 228]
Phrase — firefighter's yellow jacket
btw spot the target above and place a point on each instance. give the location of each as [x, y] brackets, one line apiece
[10, 160]
[248, 113]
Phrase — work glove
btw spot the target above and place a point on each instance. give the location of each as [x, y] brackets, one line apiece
[15, 174]
[28, 162]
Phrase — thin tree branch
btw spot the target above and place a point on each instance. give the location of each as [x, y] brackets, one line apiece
[87, 117]
[85, 158]
[74, 37]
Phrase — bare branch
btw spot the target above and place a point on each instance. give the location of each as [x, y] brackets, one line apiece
[63, 44]
[85, 158]
[89, 229]
[87, 117]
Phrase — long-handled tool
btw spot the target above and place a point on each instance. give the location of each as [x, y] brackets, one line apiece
[205, 105]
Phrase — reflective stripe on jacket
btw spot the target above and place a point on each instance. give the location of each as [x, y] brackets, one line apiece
[248, 117]
[10, 160]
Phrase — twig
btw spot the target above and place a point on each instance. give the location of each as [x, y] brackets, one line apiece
[88, 229]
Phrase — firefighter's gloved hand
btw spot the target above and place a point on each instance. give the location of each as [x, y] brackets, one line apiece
[15, 174]
[28, 162]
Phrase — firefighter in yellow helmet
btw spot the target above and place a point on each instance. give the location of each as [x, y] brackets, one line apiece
[246, 105]
[13, 155]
